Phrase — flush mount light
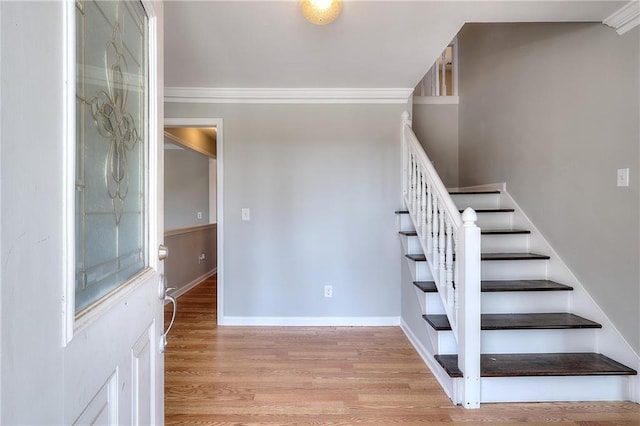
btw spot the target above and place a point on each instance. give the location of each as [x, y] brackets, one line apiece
[321, 12]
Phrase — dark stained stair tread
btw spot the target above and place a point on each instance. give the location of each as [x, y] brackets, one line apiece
[402, 212]
[513, 256]
[492, 210]
[471, 192]
[507, 285]
[417, 257]
[491, 256]
[426, 286]
[527, 321]
[523, 285]
[483, 232]
[504, 231]
[543, 364]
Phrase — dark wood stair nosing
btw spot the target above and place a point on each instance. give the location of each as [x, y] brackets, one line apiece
[414, 233]
[426, 286]
[503, 286]
[476, 192]
[491, 210]
[513, 256]
[490, 257]
[540, 365]
[520, 321]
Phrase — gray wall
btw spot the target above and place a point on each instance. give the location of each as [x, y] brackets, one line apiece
[322, 183]
[436, 127]
[183, 267]
[552, 109]
[186, 188]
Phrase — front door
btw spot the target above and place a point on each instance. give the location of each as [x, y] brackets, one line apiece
[113, 356]
[81, 213]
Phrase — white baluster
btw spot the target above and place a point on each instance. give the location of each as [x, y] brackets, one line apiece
[444, 73]
[434, 239]
[412, 194]
[449, 261]
[420, 196]
[441, 247]
[415, 187]
[429, 218]
[423, 208]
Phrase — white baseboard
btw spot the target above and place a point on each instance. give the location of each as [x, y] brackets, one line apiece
[185, 288]
[311, 321]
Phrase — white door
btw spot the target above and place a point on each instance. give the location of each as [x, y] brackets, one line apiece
[82, 296]
[115, 330]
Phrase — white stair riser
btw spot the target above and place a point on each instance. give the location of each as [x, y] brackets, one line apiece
[578, 388]
[525, 301]
[530, 341]
[514, 269]
[500, 220]
[538, 341]
[422, 272]
[510, 302]
[404, 222]
[413, 244]
[443, 343]
[433, 304]
[505, 243]
[476, 201]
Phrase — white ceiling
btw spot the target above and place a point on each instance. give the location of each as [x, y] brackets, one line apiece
[373, 44]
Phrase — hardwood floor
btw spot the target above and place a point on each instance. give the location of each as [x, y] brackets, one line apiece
[324, 376]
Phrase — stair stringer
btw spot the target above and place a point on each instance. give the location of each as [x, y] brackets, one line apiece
[608, 341]
[414, 305]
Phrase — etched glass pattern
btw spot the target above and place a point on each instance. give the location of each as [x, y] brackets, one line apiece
[111, 146]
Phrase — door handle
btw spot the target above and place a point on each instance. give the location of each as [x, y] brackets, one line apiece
[167, 298]
[163, 252]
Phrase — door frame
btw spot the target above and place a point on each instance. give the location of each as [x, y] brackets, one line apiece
[218, 123]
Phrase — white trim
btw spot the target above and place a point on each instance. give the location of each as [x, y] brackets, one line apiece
[69, 170]
[625, 18]
[218, 123]
[446, 382]
[185, 288]
[311, 321]
[436, 100]
[288, 95]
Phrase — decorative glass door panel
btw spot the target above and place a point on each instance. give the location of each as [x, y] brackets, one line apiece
[111, 147]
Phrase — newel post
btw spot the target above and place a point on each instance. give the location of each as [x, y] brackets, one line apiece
[406, 120]
[469, 308]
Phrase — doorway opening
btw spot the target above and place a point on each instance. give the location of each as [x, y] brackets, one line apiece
[197, 145]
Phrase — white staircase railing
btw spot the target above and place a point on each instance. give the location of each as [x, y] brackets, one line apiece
[451, 243]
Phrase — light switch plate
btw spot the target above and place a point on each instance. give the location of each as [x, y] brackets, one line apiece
[623, 177]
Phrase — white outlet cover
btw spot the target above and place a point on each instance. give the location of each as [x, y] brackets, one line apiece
[246, 214]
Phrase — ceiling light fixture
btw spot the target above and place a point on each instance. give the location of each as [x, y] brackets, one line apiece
[321, 12]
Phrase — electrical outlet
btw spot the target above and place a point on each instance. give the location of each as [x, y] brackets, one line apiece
[623, 177]
[246, 214]
[328, 291]
[199, 215]
[201, 258]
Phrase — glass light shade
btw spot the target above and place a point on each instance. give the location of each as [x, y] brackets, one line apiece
[321, 12]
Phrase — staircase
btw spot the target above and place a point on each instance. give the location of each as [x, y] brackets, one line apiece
[532, 347]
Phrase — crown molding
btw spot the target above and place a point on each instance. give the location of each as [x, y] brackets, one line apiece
[287, 95]
[625, 18]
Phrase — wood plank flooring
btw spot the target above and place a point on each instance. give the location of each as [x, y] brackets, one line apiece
[324, 376]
